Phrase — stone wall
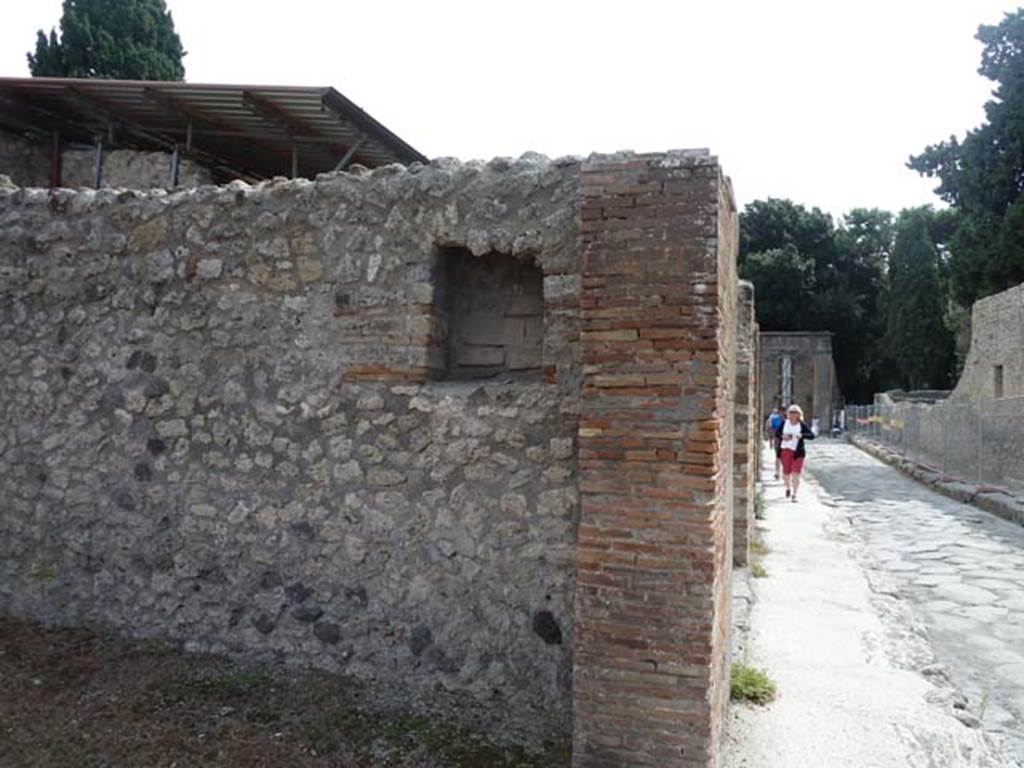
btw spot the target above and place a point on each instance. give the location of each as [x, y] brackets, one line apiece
[233, 420]
[977, 433]
[654, 559]
[747, 425]
[27, 164]
[128, 169]
[181, 458]
[997, 340]
[814, 386]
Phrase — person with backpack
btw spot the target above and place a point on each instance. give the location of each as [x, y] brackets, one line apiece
[774, 422]
[791, 435]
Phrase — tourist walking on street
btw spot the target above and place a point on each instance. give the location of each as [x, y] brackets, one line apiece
[791, 435]
[773, 424]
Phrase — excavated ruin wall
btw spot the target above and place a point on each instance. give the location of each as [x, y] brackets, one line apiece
[226, 423]
[28, 165]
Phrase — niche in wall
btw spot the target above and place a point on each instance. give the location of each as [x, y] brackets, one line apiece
[491, 310]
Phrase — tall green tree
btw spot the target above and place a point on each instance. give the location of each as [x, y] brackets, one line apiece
[857, 298]
[982, 176]
[919, 346]
[118, 39]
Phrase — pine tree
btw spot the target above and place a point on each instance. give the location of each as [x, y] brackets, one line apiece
[918, 343]
[118, 39]
[982, 175]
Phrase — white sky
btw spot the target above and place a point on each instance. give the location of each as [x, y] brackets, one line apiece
[821, 101]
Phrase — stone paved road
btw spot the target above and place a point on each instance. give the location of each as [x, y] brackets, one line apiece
[960, 569]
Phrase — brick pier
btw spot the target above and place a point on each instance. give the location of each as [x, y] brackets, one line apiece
[656, 450]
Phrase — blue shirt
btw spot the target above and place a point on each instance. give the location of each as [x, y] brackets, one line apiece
[775, 419]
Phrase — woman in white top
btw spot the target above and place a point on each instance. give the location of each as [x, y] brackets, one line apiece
[791, 435]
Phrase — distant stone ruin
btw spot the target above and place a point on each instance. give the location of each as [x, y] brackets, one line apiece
[28, 165]
[798, 367]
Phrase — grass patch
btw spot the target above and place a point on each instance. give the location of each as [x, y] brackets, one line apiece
[758, 571]
[758, 547]
[371, 736]
[750, 685]
[147, 704]
[218, 687]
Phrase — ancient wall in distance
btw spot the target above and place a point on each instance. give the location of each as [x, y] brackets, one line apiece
[997, 348]
[27, 164]
[129, 169]
[977, 433]
[813, 384]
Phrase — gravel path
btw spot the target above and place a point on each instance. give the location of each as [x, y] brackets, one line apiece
[860, 684]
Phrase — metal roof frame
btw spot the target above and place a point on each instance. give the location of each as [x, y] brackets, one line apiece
[250, 132]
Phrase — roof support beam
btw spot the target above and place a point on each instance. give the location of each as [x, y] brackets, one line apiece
[273, 115]
[175, 167]
[16, 113]
[294, 128]
[104, 115]
[347, 157]
[97, 170]
[55, 158]
[196, 118]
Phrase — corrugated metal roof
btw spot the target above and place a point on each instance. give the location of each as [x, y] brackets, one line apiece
[239, 131]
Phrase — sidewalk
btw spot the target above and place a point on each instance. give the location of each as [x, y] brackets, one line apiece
[844, 660]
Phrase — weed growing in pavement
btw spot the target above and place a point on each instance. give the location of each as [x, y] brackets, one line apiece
[758, 571]
[750, 684]
[983, 705]
[757, 545]
[759, 506]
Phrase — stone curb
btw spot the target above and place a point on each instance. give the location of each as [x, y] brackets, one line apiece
[993, 500]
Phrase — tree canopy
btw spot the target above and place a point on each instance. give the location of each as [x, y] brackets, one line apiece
[982, 176]
[811, 275]
[118, 39]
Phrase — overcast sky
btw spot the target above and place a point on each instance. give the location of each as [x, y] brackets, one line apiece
[819, 100]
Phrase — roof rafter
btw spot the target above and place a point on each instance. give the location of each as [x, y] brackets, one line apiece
[296, 129]
[218, 127]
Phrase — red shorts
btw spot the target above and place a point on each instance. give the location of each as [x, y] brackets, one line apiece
[790, 464]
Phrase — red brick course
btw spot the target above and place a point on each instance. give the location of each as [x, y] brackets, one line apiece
[656, 447]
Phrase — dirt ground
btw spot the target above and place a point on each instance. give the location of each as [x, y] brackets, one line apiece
[71, 698]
